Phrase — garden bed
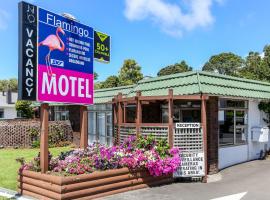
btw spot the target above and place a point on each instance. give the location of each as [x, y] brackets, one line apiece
[86, 186]
[99, 170]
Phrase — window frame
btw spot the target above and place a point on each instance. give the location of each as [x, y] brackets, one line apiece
[106, 109]
[235, 109]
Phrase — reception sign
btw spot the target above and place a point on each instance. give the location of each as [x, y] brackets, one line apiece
[64, 54]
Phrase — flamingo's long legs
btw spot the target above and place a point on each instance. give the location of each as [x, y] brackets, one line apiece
[48, 64]
[49, 59]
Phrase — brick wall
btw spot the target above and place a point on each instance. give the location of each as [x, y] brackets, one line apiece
[16, 132]
[212, 135]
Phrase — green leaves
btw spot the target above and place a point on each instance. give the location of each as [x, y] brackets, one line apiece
[224, 63]
[24, 108]
[176, 68]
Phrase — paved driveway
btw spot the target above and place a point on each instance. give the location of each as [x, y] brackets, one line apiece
[248, 181]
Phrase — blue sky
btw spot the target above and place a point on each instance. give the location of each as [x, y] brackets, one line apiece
[155, 33]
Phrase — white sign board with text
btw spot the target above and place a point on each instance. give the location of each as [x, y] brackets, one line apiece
[192, 165]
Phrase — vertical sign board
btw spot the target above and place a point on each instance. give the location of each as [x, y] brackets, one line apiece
[102, 45]
[192, 161]
[65, 51]
[27, 51]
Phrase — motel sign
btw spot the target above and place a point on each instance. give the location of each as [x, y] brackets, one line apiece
[56, 57]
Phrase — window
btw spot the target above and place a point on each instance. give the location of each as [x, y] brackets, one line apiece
[61, 113]
[100, 124]
[130, 113]
[232, 117]
[2, 113]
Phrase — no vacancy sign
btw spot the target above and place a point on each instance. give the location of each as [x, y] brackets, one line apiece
[56, 57]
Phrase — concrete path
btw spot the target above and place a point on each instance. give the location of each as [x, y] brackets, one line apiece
[248, 181]
[10, 194]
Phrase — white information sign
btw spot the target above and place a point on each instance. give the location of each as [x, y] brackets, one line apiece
[192, 165]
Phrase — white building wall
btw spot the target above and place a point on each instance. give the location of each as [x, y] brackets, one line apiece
[9, 112]
[229, 156]
[255, 119]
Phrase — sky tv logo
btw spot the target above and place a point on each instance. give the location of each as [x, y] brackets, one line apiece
[58, 63]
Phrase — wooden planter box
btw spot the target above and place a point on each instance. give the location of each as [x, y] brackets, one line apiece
[86, 186]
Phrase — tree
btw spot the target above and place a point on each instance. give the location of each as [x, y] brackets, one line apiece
[176, 68]
[110, 82]
[254, 67]
[11, 84]
[24, 108]
[97, 85]
[95, 76]
[224, 63]
[130, 73]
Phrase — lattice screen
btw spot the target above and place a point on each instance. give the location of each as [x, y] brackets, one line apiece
[188, 139]
[127, 131]
[157, 132]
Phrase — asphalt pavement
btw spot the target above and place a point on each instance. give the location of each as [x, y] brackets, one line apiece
[247, 181]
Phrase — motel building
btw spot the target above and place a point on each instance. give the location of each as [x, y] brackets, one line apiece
[195, 111]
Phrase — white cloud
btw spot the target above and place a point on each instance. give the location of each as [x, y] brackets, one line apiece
[4, 16]
[169, 16]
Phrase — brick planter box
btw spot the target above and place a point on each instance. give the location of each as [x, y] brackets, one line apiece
[86, 186]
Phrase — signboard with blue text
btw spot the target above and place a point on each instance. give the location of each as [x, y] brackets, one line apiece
[65, 59]
[56, 56]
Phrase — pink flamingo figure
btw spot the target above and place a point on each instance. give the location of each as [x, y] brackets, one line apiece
[53, 42]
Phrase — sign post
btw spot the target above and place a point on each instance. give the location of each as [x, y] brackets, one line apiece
[44, 151]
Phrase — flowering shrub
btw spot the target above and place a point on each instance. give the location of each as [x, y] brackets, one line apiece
[143, 153]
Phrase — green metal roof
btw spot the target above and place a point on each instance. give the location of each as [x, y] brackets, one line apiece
[189, 83]
[106, 95]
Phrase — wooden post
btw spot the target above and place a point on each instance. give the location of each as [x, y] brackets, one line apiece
[84, 131]
[138, 113]
[170, 113]
[44, 151]
[124, 111]
[120, 115]
[204, 127]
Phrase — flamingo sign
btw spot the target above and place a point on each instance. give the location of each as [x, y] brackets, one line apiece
[64, 58]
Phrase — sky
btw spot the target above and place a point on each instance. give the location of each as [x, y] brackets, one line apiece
[155, 33]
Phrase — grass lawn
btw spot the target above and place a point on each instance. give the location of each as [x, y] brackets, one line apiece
[9, 167]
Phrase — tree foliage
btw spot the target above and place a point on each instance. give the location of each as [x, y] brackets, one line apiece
[95, 75]
[257, 67]
[176, 68]
[24, 108]
[10, 84]
[224, 63]
[110, 82]
[130, 73]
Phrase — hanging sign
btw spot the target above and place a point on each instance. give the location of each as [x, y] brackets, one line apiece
[102, 45]
[65, 55]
